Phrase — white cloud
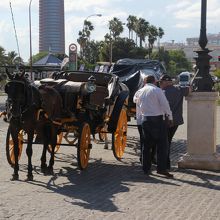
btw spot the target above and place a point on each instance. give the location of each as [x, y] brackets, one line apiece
[183, 25]
[178, 5]
[188, 13]
[82, 5]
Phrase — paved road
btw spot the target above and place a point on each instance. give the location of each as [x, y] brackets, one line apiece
[108, 189]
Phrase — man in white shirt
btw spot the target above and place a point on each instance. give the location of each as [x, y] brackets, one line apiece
[153, 109]
[139, 121]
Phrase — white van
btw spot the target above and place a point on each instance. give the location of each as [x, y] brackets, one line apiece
[184, 79]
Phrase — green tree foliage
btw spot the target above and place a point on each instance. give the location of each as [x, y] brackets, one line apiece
[138, 53]
[92, 51]
[131, 25]
[3, 57]
[160, 32]
[217, 73]
[115, 27]
[142, 29]
[121, 47]
[84, 36]
[174, 60]
[152, 37]
[13, 58]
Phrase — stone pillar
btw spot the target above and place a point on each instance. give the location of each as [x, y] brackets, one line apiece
[201, 132]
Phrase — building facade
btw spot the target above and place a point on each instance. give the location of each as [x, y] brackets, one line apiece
[192, 45]
[51, 26]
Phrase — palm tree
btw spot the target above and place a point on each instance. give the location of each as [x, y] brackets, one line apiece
[13, 58]
[81, 41]
[115, 27]
[2, 56]
[152, 37]
[160, 35]
[142, 29]
[84, 36]
[87, 28]
[131, 20]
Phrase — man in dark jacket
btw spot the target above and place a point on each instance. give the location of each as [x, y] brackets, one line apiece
[174, 95]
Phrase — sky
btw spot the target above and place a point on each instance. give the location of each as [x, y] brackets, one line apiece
[179, 19]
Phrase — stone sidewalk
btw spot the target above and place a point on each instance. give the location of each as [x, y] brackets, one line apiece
[108, 189]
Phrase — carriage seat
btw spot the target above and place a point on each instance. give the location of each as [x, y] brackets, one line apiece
[99, 97]
[102, 79]
[70, 90]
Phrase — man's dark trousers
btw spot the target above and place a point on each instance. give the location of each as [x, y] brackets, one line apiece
[155, 133]
[140, 130]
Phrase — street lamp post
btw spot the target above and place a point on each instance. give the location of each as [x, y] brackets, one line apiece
[98, 15]
[202, 81]
[30, 38]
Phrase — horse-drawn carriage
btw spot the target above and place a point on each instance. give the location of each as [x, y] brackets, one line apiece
[71, 107]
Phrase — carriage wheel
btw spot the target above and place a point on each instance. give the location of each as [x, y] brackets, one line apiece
[57, 147]
[84, 146]
[119, 137]
[10, 146]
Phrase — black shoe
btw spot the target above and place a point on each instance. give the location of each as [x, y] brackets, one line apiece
[154, 161]
[165, 173]
[147, 172]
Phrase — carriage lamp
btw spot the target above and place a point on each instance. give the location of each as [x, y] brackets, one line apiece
[90, 85]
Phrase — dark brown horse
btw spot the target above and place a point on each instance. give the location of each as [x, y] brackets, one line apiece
[23, 103]
[49, 124]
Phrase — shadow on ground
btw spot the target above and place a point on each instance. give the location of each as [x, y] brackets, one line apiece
[96, 187]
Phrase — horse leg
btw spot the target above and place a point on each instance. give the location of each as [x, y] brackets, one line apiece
[53, 145]
[43, 158]
[29, 152]
[14, 135]
[46, 138]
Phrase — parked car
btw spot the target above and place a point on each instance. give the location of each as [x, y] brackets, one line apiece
[184, 79]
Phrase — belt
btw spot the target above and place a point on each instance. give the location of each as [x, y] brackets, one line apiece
[153, 118]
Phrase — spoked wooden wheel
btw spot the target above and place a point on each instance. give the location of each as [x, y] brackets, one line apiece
[57, 147]
[84, 146]
[10, 146]
[119, 137]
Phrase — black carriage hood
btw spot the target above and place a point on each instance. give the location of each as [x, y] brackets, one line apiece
[131, 72]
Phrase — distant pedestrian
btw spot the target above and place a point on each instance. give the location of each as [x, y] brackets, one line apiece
[174, 95]
[153, 107]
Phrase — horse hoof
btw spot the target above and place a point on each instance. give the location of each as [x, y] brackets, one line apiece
[30, 178]
[44, 169]
[15, 177]
[50, 171]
